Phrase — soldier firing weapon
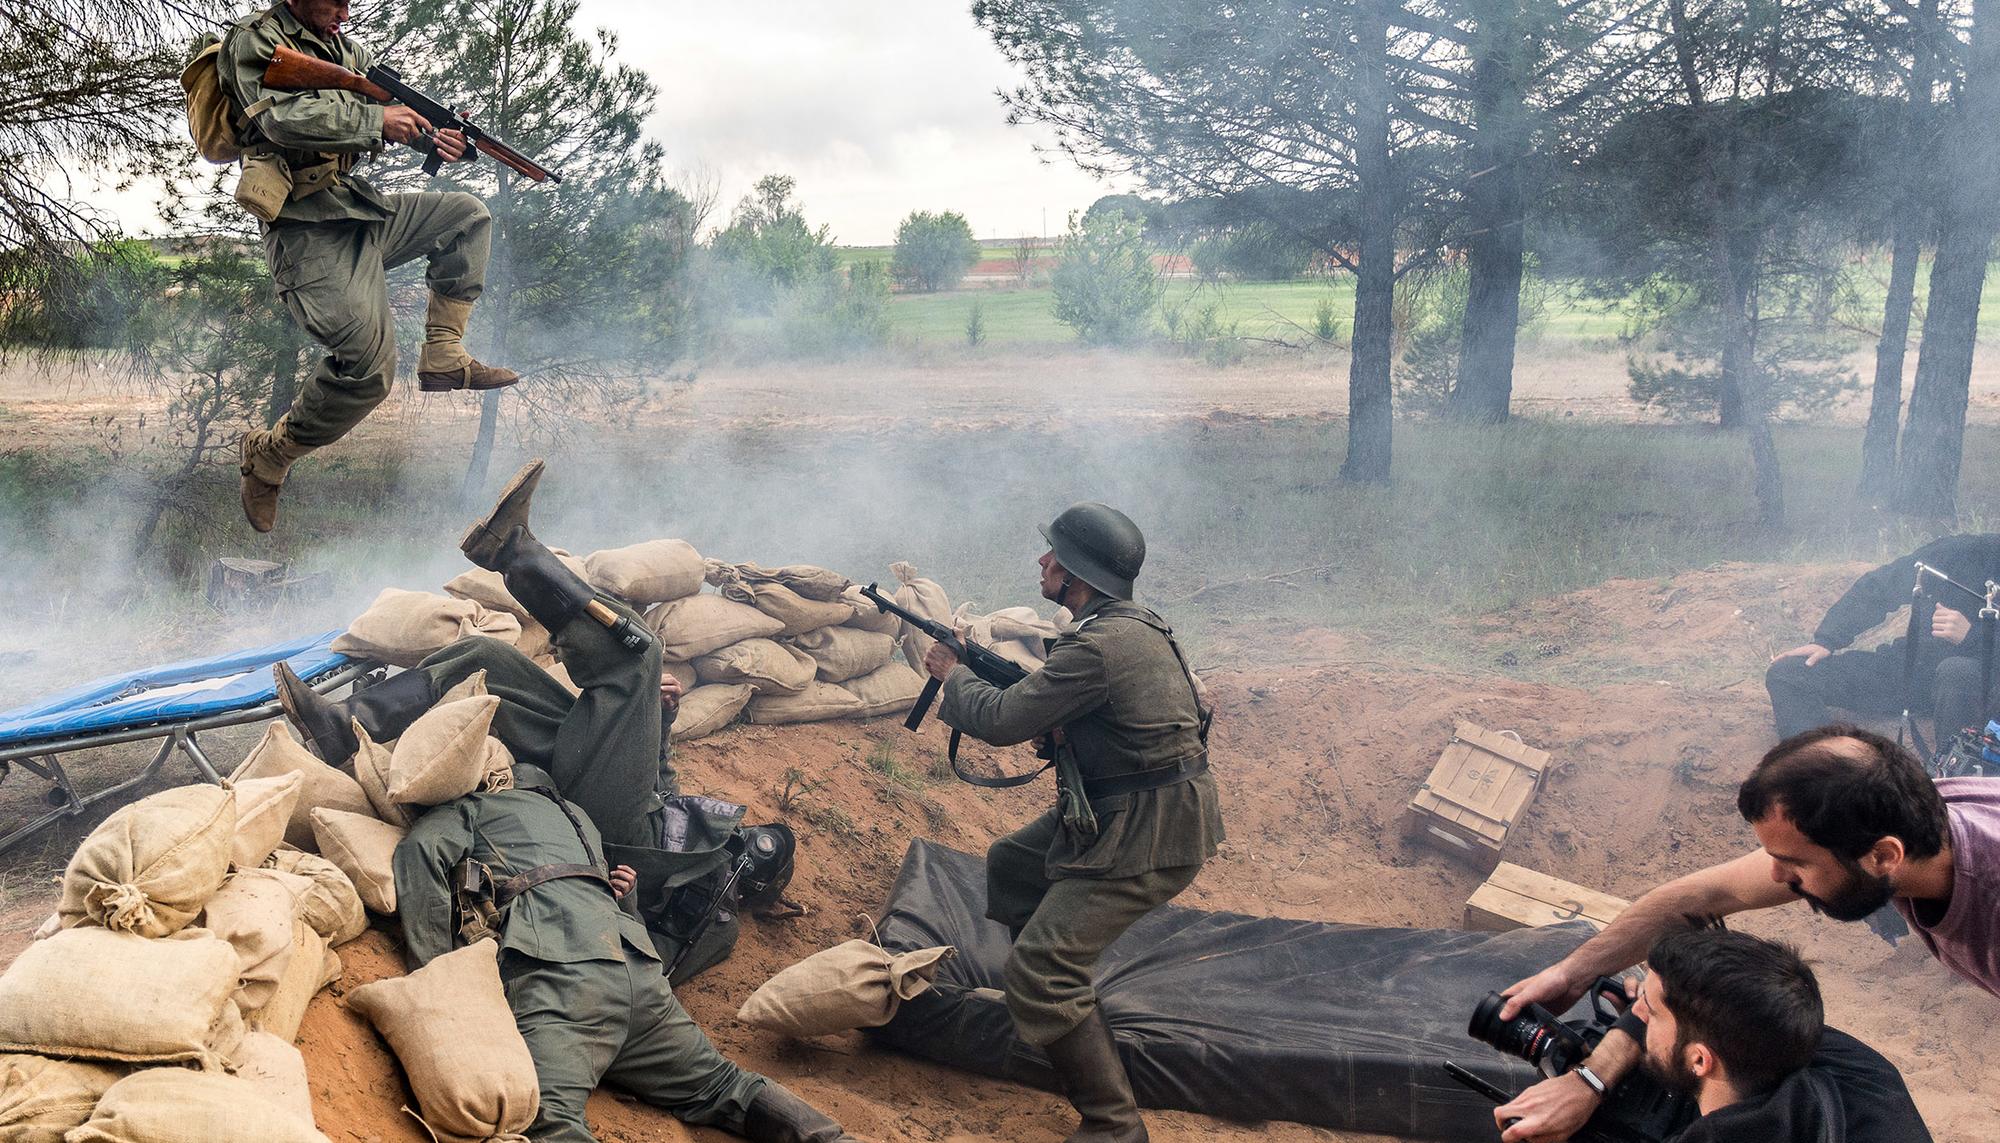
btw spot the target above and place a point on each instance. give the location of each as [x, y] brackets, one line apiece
[291, 70]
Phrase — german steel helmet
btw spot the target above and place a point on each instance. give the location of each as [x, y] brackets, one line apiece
[1099, 545]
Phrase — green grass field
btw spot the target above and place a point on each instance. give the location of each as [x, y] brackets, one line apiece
[1025, 316]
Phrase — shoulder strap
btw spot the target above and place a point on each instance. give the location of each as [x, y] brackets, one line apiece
[589, 851]
[1126, 609]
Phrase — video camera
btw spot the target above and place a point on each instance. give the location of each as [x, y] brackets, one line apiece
[1636, 1110]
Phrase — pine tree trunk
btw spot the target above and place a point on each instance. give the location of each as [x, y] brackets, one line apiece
[1736, 265]
[1885, 406]
[1370, 424]
[1494, 246]
[1934, 437]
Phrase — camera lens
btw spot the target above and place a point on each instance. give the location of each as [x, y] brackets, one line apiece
[1523, 1036]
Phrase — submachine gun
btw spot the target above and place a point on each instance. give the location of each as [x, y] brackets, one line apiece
[291, 70]
[1951, 756]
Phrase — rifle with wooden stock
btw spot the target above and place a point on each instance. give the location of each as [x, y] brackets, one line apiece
[291, 70]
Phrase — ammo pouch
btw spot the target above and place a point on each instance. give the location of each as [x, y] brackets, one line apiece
[264, 186]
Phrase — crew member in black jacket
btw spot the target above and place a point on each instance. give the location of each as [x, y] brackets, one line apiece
[1806, 680]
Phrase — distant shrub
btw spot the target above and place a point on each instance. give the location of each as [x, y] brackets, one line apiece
[975, 325]
[833, 314]
[933, 251]
[1324, 326]
[1104, 282]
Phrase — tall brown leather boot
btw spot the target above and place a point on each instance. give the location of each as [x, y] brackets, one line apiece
[778, 1116]
[482, 542]
[1093, 1079]
[384, 710]
[265, 456]
[443, 363]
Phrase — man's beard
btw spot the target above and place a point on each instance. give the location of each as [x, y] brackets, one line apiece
[1863, 894]
[1675, 1075]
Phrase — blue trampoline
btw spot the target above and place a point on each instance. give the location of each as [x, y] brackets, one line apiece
[175, 702]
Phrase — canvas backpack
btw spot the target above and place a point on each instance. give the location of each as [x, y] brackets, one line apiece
[213, 121]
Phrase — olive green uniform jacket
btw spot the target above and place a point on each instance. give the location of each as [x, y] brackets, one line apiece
[1122, 696]
[580, 973]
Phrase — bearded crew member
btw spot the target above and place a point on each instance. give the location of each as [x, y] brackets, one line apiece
[335, 236]
[1117, 692]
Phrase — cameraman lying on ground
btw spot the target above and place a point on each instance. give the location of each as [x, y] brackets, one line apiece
[1849, 821]
[1736, 1024]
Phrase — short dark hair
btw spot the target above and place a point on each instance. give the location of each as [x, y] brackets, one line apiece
[1846, 789]
[1754, 1002]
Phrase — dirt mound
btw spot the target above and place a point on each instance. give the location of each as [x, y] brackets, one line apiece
[1316, 769]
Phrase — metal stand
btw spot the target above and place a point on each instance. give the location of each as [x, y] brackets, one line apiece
[44, 759]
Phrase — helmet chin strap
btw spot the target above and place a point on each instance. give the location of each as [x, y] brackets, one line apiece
[1062, 593]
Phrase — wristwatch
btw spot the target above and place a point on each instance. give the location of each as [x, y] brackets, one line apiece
[1589, 1077]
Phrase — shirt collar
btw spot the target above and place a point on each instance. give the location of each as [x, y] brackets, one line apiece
[290, 23]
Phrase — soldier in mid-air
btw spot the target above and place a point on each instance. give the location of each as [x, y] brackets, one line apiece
[335, 236]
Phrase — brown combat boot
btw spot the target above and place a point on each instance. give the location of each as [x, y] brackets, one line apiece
[483, 541]
[444, 364]
[1092, 1076]
[266, 455]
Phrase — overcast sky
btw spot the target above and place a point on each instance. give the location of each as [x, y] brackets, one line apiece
[876, 107]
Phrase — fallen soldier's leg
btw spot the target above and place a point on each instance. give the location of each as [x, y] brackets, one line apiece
[669, 1061]
[574, 1017]
[606, 754]
[384, 710]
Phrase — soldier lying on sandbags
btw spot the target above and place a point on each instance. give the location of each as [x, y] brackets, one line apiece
[581, 974]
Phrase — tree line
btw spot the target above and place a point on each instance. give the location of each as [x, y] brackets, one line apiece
[1699, 146]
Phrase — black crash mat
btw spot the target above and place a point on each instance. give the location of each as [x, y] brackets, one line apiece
[1247, 1018]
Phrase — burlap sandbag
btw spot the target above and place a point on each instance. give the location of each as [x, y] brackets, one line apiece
[705, 710]
[41, 1098]
[653, 572]
[921, 597]
[891, 688]
[173, 1105]
[868, 617]
[151, 866]
[448, 754]
[331, 904]
[1014, 633]
[263, 811]
[277, 754]
[489, 588]
[255, 911]
[48, 928]
[402, 628]
[851, 985]
[818, 701]
[767, 666]
[430, 1016]
[363, 847]
[843, 653]
[698, 624]
[311, 967]
[96, 994]
[804, 580]
[372, 763]
[796, 612]
[278, 1070]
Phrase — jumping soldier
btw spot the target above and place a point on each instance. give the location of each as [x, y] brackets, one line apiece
[1118, 693]
[334, 236]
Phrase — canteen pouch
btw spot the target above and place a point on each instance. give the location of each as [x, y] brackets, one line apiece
[263, 187]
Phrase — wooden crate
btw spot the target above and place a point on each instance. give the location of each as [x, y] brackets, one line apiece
[1481, 786]
[1515, 897]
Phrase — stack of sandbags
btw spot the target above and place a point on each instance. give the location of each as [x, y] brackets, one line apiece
[278, 755]
[489, 590]
[402, 628]
[802, 597]
[862, 663]
[159, 956]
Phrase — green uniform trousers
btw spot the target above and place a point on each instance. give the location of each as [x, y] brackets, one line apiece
[1061, 926]
[332, 277]
[617, 1022]
[602, 747]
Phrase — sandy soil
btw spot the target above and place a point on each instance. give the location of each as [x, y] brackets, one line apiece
[1318, 751]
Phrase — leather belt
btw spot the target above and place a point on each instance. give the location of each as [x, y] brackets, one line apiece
[1154, 779]
[505, 892]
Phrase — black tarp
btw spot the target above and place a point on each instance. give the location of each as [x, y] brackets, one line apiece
[1247, 1018]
